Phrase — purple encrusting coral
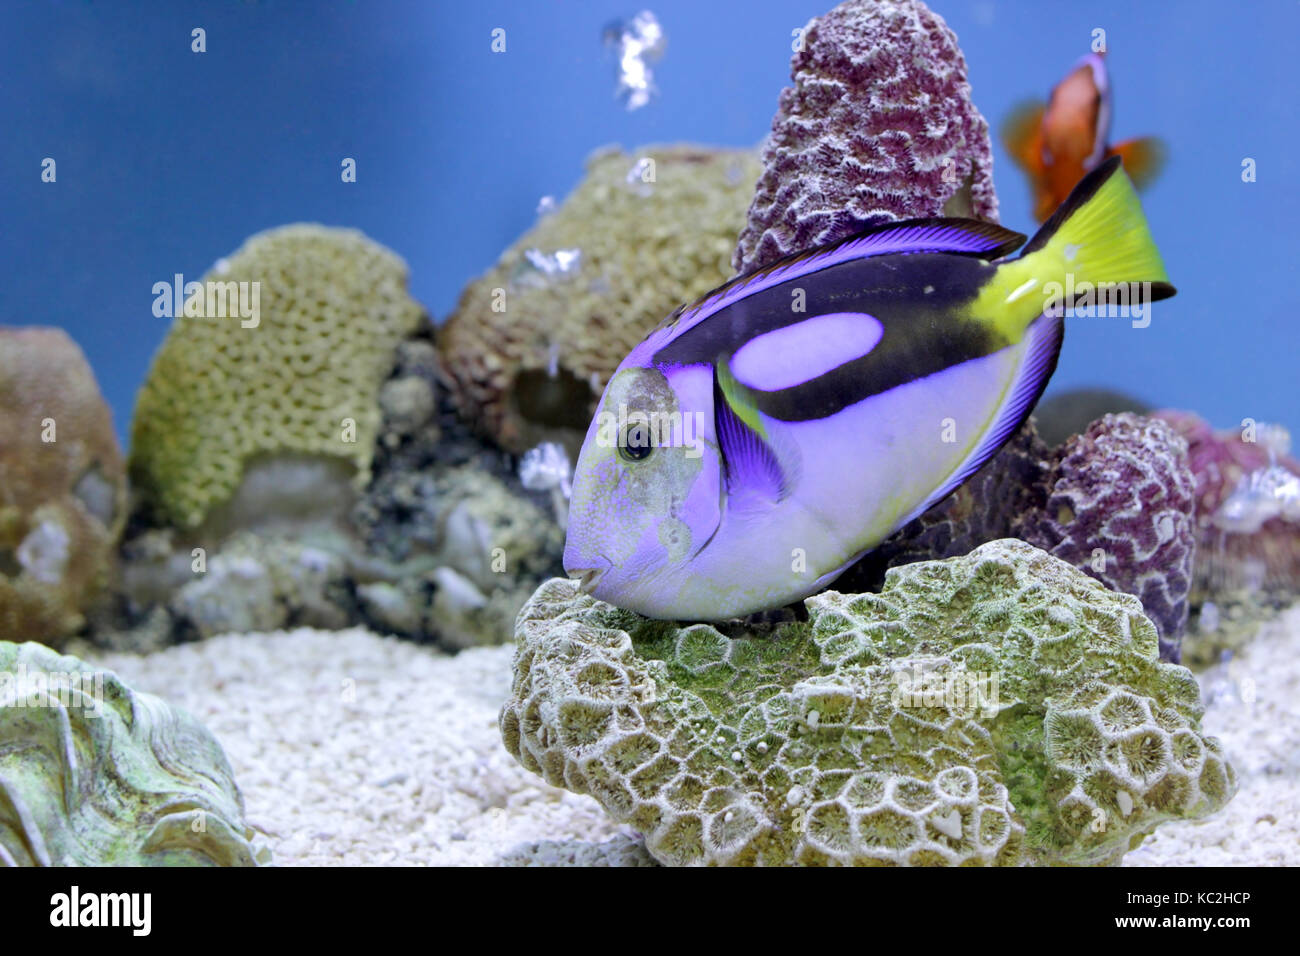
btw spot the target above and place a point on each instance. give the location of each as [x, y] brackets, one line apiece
[879, 126]
[1120, 506]
[1263, 555]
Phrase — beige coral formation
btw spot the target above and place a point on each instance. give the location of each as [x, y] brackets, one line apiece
[62, 485]
[532, 342]
[999, 708]
[303, 380]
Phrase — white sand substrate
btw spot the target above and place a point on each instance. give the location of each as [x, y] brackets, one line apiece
[352, 748]
[356, 749]
[1253, 707]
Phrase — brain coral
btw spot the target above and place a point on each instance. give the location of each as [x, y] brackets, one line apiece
[532, 341]
[333, 306]
[62, 485]
[878, 126]
[998, 708]
[1120, 507]
[95, 774]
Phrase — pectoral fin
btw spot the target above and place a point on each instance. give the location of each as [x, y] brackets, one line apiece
[759, 467]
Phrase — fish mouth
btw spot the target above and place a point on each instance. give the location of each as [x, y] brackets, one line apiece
[588, 578]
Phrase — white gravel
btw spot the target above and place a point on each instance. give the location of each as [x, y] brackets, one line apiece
[352, 748]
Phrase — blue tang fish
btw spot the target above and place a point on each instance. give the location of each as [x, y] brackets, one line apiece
[761, 440]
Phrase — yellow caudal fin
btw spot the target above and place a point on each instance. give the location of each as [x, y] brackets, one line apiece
[1098, 236]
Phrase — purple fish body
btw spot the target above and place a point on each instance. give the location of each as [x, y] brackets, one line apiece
[764, 438]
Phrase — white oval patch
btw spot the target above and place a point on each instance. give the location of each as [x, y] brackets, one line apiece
[797, 353]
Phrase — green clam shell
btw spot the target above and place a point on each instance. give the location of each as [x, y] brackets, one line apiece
[93, 773]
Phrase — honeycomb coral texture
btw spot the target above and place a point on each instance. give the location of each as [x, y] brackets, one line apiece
[333, 306]
[799, 747]
[878, 126]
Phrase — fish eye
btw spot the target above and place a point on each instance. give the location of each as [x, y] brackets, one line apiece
[635, 445]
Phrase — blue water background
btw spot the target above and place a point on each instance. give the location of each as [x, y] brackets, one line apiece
[168, 160]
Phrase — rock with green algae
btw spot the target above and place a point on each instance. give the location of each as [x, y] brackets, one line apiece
[481, 547]
[532, 342]
[1219, 630]
[1000, 708]
[263, 584]
[93, 773]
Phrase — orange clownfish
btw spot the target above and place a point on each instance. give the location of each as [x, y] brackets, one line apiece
[1059, 143]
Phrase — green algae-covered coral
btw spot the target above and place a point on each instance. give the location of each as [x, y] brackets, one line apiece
[303, 377]
[95, 774]
[62, 486]
[533, 340]
[1000, 708]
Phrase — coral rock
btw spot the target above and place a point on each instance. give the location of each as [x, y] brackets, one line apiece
[1244, 569]
[390, 608]
[1120, 508]
[459, 543]
[305, 380]
[620, 851]
[263, 584]
[1069, 413]
[62, 485]
[408, 404]
[878, 126]
[532, 342]
[1219, 460]
[999, 708]
[93, 773]
[1259, 559]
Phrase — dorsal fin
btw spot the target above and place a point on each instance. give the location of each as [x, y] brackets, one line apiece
[962, 237]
